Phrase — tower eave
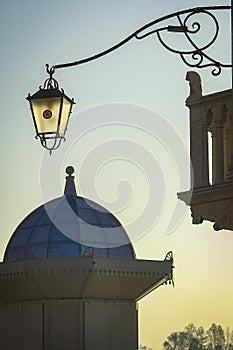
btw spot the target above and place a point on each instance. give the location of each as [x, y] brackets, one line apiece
[81, 278]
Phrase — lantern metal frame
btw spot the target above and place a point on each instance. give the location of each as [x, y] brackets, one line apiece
[51, 89]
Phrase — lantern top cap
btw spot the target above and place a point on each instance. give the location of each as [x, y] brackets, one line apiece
[49, 93]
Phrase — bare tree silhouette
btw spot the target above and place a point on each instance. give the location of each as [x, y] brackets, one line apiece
[196, 338]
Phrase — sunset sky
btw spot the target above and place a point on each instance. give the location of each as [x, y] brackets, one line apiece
[128, 139]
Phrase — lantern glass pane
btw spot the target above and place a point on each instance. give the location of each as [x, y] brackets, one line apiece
[46, 112]
[66, 109]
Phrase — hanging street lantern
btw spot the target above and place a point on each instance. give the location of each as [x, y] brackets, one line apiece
[51, 110]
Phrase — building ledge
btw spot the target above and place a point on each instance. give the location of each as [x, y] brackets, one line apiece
[85, 277]
[211, 203]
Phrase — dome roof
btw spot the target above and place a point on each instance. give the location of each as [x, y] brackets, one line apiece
[69, 226]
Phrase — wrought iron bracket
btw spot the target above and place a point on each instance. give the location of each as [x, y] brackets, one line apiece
[170, 277]
[196, 56]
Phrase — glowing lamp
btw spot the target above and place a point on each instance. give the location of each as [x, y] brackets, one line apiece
[51, 110]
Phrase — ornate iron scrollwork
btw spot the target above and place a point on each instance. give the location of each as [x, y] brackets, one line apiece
[170, 279]
[198, 54]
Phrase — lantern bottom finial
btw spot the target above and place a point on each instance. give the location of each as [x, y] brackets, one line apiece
[50, 142]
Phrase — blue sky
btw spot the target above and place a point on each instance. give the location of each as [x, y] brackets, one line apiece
[141, 74]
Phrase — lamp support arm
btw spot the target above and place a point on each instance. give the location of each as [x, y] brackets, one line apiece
[198, 55]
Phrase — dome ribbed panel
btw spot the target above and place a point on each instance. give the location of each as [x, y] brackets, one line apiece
[69, 227]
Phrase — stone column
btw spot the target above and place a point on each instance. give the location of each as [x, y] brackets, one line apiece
[227, 158]
[214, 154]
[198, 132]
[196, 151]
[230, 136]
[205, 154]
[219, 161]
[199, 147]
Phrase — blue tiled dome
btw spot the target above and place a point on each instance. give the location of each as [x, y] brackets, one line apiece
[69, 226]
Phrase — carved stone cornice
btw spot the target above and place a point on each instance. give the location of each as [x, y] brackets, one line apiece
[224, 97]
[212, 203]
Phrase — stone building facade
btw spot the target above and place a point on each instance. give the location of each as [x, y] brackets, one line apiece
[211, 151]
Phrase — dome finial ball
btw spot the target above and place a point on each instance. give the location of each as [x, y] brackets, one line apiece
[69, 170]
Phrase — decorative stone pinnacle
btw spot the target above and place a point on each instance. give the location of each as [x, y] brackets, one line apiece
[70, 189]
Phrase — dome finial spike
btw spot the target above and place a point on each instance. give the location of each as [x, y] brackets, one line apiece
[70, 189]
